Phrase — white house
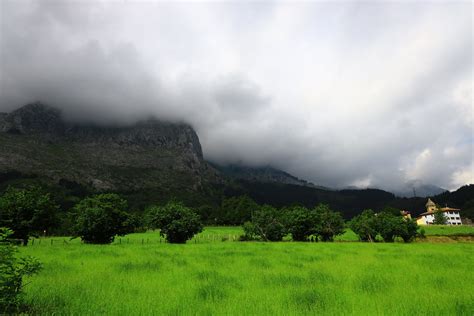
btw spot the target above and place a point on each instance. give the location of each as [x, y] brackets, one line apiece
[427, 218]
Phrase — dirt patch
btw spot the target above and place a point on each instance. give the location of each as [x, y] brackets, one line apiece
[446, 239]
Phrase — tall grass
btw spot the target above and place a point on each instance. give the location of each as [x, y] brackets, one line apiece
[252, 278]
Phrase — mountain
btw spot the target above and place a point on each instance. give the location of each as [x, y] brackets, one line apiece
[265, 174]
[417, 188]
[149, 155]
[153, 161]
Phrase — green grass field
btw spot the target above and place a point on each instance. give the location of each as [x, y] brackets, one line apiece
[444, 230]
[214, 276]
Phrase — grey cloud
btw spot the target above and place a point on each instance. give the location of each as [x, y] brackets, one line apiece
[339, 94]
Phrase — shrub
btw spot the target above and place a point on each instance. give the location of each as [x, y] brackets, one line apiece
[250, 232]
[100, 218]
[422, 233]
[329, 223]
[27, 212]
[12, 272]
[177, 223]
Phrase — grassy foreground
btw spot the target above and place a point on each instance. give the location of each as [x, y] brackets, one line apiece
[251, 278]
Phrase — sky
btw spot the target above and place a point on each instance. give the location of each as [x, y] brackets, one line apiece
[341, 93]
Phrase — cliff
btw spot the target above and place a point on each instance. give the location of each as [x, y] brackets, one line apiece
[36, 140]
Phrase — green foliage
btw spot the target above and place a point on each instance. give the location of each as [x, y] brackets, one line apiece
[330, 224]
[422, 233]
[368, 225]
[467, 211]
[250, 232]
[27, 211]
[439, 218]
[300, 222]
[12, 272]
[408, 229]
[267, 224]
[237, 210]
[391, 210]
[99, 218]
[177, 223]
[365, 225]
[387, 225]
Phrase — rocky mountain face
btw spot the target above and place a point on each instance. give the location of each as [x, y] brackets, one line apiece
[35, 140]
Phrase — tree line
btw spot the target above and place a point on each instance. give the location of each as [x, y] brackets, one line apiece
[99, 218]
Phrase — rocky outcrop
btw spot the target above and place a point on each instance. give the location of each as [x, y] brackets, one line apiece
[36, 140]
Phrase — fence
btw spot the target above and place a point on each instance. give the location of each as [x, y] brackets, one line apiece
[199, 239]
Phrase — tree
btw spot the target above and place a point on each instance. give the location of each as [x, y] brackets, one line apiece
[388, 225]
[365, 225]
[27, 211]
[267, 224]
[177, 223]
[100, 218]
[300, 222]
[237, 210]
[329, 223]
[408, 229]
[439, 218]
[12, 272]
[392, 210]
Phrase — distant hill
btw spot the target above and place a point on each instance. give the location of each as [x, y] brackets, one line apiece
[266, 174]
[418, 189]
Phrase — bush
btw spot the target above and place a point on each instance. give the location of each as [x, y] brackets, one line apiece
[177, 223]
[329, 223]
[27, 212]
[12, 272]
[421, 234]
[250, 232]
[100, 218]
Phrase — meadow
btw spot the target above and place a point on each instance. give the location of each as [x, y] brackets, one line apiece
[215, 276]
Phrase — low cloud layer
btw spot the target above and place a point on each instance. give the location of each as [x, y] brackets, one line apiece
[364, 94]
